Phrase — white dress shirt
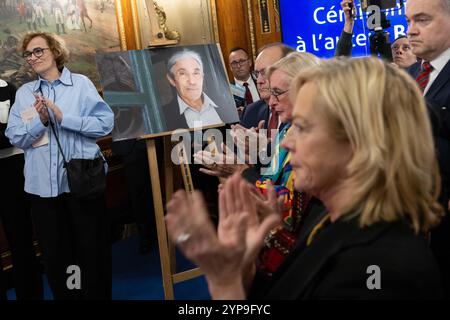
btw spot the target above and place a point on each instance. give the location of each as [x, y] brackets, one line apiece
[207, 116]
[251, 87]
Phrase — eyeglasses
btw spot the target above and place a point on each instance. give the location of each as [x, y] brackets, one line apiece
[238, 63]
[38, 52]
[261, 72]
[277, 93]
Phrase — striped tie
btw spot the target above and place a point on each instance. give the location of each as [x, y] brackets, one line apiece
[424, 75]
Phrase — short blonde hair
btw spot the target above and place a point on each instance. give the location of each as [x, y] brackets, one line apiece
[393, 171]
[293, 63]
[55, 43]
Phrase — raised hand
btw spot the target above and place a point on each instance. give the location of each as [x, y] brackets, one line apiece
[220, 165]
[266, 205]
[41, 108]
[56, 110]
[220, 258]
[349, 14]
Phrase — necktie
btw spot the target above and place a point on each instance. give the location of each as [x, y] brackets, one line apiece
[248, 94]
[424, 75]
[273, 125]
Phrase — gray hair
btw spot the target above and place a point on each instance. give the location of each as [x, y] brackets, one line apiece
[180, 55]
[293, 64]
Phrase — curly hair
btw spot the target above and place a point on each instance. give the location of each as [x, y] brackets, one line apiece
[55, 43]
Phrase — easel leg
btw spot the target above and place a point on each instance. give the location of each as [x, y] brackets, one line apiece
[160, 223]
[168, 178]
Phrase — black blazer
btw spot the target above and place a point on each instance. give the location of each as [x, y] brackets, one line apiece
[176, 121]
[6, 93]
[438, 101]
[254, 113]
[335, 265]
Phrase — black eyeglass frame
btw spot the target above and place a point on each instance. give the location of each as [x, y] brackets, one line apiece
[37, 52]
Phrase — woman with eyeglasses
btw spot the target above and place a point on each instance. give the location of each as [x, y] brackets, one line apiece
[73, 233]
[368, 155]
[293, 207]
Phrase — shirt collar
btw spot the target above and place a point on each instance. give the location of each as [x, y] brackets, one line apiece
[242, 82]
[65, 78]
[440, 62]
[207, 102]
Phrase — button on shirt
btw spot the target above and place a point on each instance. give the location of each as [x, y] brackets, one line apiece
[86, 117]
[206, 117]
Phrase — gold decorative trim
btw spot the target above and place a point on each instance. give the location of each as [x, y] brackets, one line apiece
[136, 26]
[265, 24]
[276, 10]
[120, 24]
[252, 28]
[215, 24]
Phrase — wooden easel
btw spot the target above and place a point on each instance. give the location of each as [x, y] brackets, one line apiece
[166, 247]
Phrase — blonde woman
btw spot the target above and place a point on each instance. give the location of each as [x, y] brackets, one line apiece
[368, 155]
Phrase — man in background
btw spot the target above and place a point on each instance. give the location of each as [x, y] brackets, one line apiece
[259, 110]
[428, 33]
[241, 65]
[402, 55]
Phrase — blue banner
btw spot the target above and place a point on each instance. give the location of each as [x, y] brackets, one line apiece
[315, 26]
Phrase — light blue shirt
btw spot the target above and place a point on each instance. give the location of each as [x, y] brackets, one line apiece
[86, 117]
[206, 117]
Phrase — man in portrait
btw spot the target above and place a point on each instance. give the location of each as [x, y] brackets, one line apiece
[195, 108]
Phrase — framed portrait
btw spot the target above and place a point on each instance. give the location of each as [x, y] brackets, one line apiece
[159, 90]
[86, 26]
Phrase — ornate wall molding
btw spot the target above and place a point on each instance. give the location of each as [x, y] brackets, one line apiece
[251, 28]
[121, 24]
[136, 25]
[215, 25]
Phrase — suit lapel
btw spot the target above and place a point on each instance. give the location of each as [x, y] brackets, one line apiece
[414, 69]
[439, 82]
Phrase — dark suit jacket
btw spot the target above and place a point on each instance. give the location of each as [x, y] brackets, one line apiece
[335, 265]
[438, 101]
[254, 113]
[6, 93]
[176, 121]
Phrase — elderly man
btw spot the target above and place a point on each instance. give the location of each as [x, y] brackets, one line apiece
[196, 109]
[259, 110]
[428, 33]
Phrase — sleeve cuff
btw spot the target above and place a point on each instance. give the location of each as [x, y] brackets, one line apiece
[36, 127]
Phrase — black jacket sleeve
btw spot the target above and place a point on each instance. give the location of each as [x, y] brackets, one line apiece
[344, 45]
[6, 93]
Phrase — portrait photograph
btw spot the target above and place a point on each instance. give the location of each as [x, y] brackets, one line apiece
[159, 90]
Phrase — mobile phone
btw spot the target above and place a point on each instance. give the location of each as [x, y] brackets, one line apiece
[350, 5]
